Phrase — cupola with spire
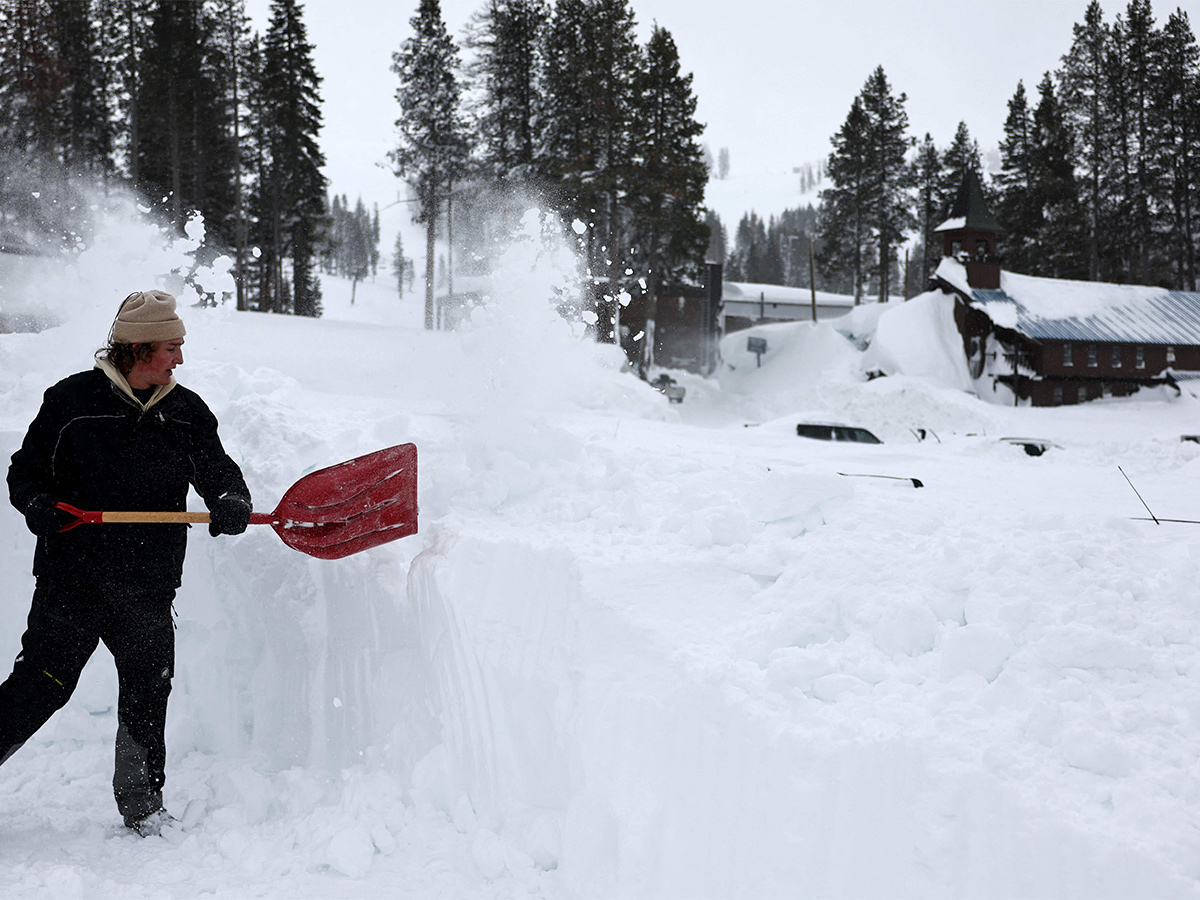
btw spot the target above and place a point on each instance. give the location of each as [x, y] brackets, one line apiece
[969, 235]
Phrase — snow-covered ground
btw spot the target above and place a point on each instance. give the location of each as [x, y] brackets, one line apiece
[638, 649]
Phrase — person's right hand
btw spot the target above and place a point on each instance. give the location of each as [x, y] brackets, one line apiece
[43, 518]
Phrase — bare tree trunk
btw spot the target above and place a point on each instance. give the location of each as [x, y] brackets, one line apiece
[431, 228]
[239, 219]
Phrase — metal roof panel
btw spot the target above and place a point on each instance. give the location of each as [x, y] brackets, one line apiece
[1142, 317]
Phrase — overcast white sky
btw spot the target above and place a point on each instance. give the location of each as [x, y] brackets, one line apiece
[774, 78]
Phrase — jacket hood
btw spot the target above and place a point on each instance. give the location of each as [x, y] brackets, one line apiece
[115, 376]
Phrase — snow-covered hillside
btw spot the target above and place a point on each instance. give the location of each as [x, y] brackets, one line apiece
[638, 649]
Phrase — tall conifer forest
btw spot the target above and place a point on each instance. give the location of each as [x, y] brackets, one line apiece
[182, 102]
[557, 103]
[1097, 177]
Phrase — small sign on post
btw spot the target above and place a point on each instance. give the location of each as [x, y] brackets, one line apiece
[757, 346]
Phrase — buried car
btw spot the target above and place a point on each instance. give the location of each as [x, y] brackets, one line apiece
[1032, 446]
[832, 431]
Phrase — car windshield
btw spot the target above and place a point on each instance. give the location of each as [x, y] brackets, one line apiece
[817, 432]
[836, 433]
[858, 435]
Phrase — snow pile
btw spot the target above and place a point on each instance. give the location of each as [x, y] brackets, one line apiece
[919, 339]
[639, 649]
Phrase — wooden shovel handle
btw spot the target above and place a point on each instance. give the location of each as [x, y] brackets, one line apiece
[175, 518]
[169, 517]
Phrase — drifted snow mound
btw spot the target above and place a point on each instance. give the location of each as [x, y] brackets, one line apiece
[919, 339]
[798, 353]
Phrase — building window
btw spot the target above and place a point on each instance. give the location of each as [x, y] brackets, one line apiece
[1140, 357]
[1068, 355]
[1093, 356]
[1116, 356]
[1057, 395]
[1170, 354]
[1083, 393]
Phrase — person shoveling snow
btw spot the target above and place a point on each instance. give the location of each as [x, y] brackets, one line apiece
[123, 435]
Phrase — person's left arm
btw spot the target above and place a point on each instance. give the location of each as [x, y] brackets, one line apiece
[217, 478]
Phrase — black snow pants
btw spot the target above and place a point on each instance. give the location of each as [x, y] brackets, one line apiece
[65, 625]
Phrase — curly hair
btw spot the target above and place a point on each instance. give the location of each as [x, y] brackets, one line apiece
[124, 356]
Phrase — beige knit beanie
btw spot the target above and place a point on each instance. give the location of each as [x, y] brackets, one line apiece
[146, 317]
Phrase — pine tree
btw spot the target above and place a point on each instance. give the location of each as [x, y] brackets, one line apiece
[86, 133]
[870, 203]
[592, 61]
[53, 116]
[375, 235]
[183, 121]
[616, 61]
[843, 223]
[749, 247]
[1015, 207]
[34, 79]
[259, 267]
[1058, 242]
[931, 206]
[232, 35]
[507, 70]
[124, 28]
[433, 146]
[1131, 65]
[961, 156]
[401, 266]
[1084, 94]
[891, 177]
[1176, 104]
[666, 184]
[292, 195]
[566, 154]
[357, 247]
[795, 230]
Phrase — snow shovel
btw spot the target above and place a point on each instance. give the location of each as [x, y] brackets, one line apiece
[329, 513]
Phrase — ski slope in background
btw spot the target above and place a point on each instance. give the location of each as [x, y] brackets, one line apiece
[637, 649]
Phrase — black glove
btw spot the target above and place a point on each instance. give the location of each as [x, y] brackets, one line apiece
[229, 515]
[43, 518]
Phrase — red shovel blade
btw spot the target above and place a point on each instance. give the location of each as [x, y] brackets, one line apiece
[350, 507]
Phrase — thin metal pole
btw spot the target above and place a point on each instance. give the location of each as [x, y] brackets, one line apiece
[1139, 496]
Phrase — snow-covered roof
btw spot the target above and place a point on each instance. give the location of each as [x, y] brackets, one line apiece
[746, 291]
[1059, 309]
[952, 224]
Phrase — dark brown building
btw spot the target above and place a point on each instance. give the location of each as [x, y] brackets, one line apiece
[1049, 341]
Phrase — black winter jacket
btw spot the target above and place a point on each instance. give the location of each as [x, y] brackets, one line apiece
[95, 447]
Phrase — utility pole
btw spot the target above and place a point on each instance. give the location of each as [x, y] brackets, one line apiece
[812, 278]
